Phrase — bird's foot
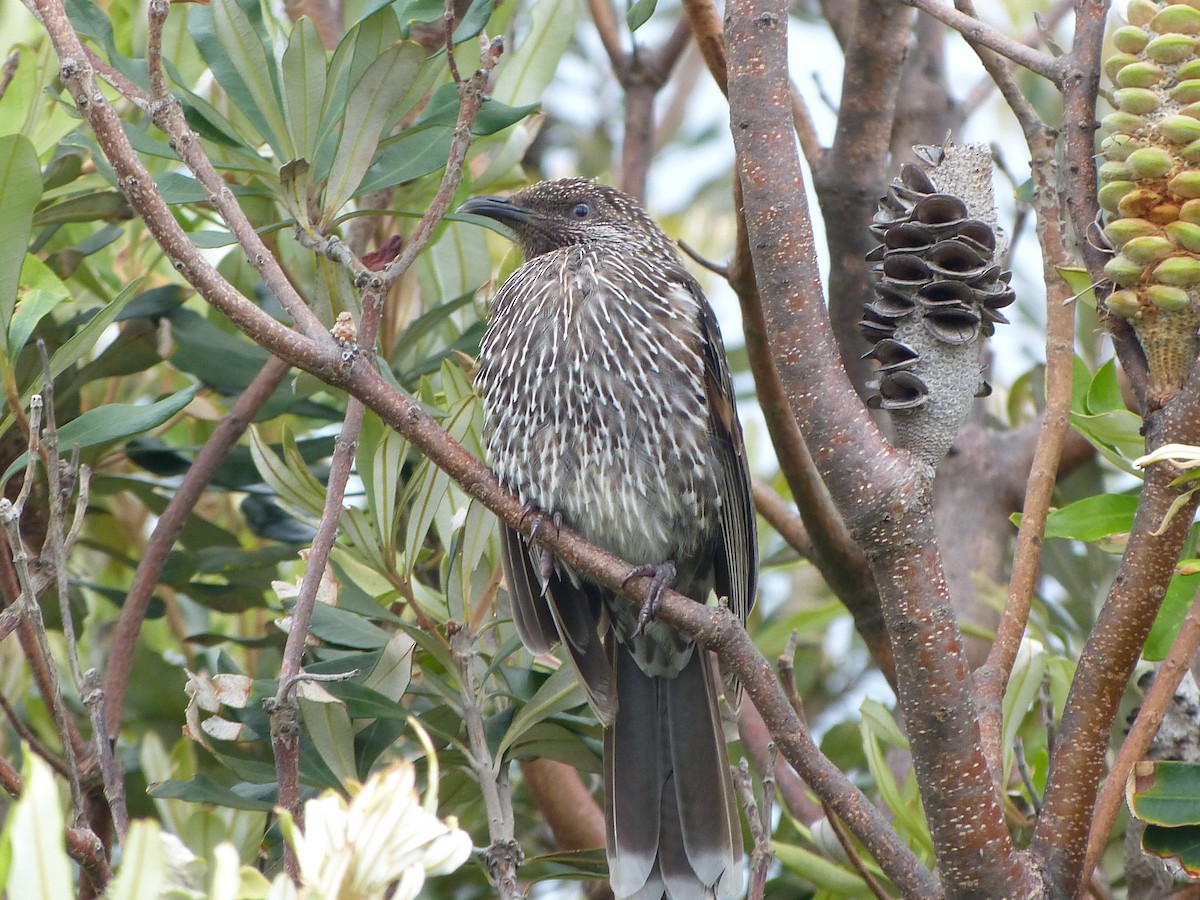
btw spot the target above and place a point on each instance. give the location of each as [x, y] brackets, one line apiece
[540, 519]
[662, 576]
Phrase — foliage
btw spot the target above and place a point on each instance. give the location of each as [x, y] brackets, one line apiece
[182, 583]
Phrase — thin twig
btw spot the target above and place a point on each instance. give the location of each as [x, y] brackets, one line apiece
[167, 530]
[282, 707]
[974, 30]
[25, 733]
[167, 113]
[503, 856]
[471, 93]
[10, 69]
[760, 829]
[782, 518]
[1153, 710]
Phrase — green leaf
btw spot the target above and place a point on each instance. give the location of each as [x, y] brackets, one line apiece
[233, 48]
[381, 453]
[43, 291]
[347, 629]
[558, 693]
[639, 13]
[590, 865]
[371, 103]
[430, 485]
[524, 75]
[203, 789]
[329, 729]
[410, 155]
[20, 191]
[34, 831]
[1022, 692]
[1178, 600]
[288, 476]
[1181, 843]
[1080, 283]
[822, 872]
[143, 871]
[1166, 793]
[111, 422]
[304, 87]
[1093, 518]
[1104, 392]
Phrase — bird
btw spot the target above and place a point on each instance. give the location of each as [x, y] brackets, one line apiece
[609, 408]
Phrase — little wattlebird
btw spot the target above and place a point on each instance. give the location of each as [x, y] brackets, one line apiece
[608, 408]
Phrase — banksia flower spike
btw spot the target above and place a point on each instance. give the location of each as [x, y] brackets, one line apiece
[940, 289]
[1150, 186]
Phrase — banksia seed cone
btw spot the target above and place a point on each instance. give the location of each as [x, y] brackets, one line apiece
[940, 288]
[1150, 186]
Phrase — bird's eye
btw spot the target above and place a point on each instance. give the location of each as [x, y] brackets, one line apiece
[581, 211]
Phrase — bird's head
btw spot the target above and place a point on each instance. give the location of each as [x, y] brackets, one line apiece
[550, 215]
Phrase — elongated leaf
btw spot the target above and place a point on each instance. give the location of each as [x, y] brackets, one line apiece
[370, 104]
[295, 485]
[429, 487]
[1165, 792]
[639, 13]
[240, 62]
[35, 831]
[203, 789]
[143, 871]
[304, 87]
[20, 191]
[416, 152]
[558, 693]
[819, 870]
[381, 452]
[111, 422]
[525, 74]
[43, 291]
[1022, 691]
[328, 726]
[1093, 518]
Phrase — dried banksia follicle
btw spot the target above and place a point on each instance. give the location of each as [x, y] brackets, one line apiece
[1150, 185]
[939, 290]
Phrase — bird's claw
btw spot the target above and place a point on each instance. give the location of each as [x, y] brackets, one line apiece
[545, 557]
[662, 576]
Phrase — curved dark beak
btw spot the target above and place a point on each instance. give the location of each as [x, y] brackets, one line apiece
[499, 208]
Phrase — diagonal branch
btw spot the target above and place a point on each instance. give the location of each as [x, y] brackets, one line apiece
[974, 30]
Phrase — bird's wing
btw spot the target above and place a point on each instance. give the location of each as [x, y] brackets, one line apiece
[566, 611]
[737, 556]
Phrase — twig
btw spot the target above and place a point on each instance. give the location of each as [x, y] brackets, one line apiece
[60, 479]
[1022, 766]
[285, 737]
[503, 856]
[992, 678]
[167, 113]
[1154, 709]
[168, 528]
[471, 93]
[25, 733]
[789, 525]
[10, 69]
[975, 30]
[760, 829]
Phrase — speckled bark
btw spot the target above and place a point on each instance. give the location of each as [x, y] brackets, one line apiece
[884, 499]
[1112, 650]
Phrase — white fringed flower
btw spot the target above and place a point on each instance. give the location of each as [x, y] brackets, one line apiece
[355, 850]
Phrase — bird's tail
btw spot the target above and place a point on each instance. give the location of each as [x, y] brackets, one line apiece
[670, 809]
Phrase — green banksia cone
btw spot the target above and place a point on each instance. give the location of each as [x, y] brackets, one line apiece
[940, 290]
[1150, 186]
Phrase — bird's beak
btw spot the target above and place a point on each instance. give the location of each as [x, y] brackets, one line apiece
[499, 208]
